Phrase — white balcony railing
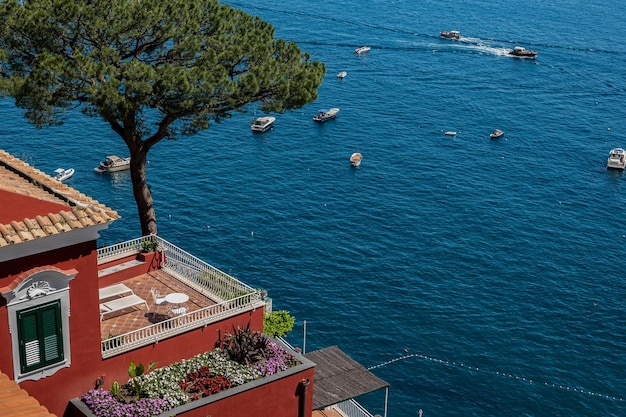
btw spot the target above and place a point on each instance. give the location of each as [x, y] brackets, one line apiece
[233, 296]
[120, 250]
[174, 326]
[201, 276]
[352, 408]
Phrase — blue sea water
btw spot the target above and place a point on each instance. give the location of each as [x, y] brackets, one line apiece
[485, 277]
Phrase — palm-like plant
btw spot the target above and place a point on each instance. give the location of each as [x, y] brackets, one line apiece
[245, 346]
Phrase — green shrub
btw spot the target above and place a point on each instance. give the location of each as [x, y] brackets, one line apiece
[149, 246]
[278, 323]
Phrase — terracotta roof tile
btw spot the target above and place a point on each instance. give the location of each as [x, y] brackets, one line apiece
[17, 403]
[75, 210]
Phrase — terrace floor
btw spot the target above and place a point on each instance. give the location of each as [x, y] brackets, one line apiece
[135, 318]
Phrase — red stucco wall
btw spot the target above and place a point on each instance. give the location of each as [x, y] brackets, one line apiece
[172, 350]
[53, 392]
[151, 262]
[279, 399]
[285, 397]
[87, 364]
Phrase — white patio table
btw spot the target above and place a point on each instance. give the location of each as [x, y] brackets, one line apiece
[177, 298]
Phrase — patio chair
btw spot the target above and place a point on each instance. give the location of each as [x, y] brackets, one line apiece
[179, 311]
[156, 296]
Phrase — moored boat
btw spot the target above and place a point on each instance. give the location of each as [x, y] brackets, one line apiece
[450, 34]
[326, 114]
[362, 49]
[355, 159]
[617, 159]
[63, 174]
[263, 123]
[496, 134]
[342, 74]
[520, 52]
[113, 163]
[450, 133]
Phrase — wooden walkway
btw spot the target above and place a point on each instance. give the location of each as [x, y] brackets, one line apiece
[331, 412]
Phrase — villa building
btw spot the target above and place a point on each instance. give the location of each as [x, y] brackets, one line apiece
[73, 316]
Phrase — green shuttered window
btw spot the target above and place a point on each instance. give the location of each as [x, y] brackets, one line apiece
[40, 336]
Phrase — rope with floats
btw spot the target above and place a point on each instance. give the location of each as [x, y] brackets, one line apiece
[498, 374]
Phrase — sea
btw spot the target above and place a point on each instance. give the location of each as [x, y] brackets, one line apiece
[476, 277]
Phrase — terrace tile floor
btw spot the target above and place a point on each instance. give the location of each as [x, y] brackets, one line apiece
[135, 318]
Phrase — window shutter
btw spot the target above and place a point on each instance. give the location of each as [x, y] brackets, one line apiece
[51, 332]
[30, 349]
[41, 337]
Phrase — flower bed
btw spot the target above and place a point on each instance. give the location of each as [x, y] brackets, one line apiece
[164, 388]
[103, 403]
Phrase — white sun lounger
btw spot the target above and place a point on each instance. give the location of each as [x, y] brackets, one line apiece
[120, 304]
[114, 291]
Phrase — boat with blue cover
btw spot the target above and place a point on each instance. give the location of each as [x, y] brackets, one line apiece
[326, 114]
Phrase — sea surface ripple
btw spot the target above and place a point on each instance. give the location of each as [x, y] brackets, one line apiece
[478, 277]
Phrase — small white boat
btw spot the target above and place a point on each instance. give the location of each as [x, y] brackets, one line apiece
[326, 114]
[355, 159]
[362, 49]
[450, 133]
[113, 164]
[63, 174]
[342, 74]
[617, 159]
[263, 123]
[450, 34]
[496, 134]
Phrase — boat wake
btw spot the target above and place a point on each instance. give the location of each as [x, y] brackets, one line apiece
[479, 45]
[493, 50]
[474, 48]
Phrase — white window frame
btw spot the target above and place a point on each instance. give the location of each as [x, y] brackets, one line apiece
[40, 288]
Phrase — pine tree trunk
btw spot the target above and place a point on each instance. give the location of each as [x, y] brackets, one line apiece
[141, 191]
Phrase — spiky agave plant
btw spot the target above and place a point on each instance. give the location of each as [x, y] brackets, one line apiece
[245, 346]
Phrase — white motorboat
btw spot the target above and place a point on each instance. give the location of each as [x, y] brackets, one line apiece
[617, 159]
[450, 133]
[355, 159]
[496, 134]
[113, 164]
[362, 49]
[450, 34]
[326, 114]
[63, 174]
[263, 123]
[342, 74]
